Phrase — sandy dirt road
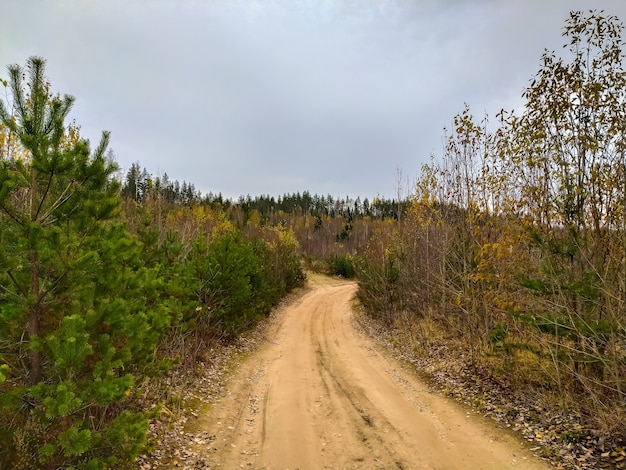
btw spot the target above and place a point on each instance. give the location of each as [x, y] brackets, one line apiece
[320, 395]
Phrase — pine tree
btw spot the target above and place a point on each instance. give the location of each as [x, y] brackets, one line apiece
[79, 317]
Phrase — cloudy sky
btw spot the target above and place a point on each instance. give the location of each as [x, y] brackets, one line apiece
[278, 96]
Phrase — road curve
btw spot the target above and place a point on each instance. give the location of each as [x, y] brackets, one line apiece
[320, 395]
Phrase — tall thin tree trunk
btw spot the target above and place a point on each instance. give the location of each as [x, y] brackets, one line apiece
[32, 326]
[34, 314]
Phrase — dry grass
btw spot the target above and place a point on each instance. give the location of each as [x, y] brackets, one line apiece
[514, 385]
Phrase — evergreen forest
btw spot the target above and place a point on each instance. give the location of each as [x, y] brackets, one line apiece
[509, 255]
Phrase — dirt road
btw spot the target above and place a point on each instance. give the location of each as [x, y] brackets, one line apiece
[320, 395]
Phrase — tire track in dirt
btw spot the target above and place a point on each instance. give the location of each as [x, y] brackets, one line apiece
[319, 395]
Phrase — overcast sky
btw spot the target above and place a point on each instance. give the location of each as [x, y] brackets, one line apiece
[278, 96]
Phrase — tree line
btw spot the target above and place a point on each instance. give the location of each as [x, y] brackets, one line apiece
[140, 185]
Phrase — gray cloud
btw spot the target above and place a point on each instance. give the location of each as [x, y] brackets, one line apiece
[275, 96]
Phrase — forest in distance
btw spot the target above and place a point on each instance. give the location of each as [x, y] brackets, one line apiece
[508, 257]
[140, 185]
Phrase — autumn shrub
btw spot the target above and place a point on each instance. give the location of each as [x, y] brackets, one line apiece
[341, 265]
[282, 261]
[238, 281]
[226, 272]
[516, 241]
[379, 287]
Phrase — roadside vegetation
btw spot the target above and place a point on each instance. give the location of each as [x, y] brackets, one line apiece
[512, 255]
[504, 272]
[101, 294]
